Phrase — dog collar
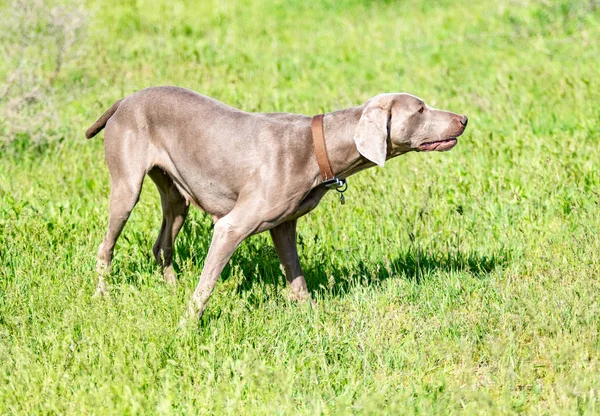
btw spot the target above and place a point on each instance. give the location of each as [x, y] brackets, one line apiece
[327, 177]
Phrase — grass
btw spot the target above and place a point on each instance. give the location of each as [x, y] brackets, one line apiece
[456, 282]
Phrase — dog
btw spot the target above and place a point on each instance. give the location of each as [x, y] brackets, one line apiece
[251, 171]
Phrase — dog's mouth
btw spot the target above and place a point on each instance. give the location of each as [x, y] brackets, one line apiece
[438, 145]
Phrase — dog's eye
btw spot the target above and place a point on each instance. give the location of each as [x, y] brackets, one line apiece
[422, 109]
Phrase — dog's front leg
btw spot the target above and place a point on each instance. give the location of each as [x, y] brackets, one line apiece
[226, 237]
[230, 230]
[284, 239]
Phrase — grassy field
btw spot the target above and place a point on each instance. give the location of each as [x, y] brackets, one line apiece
[460, 282]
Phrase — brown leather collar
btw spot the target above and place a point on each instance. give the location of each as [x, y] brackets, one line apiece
[318, 136]
[320, 147]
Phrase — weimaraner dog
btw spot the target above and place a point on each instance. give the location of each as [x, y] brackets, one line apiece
[251, 171]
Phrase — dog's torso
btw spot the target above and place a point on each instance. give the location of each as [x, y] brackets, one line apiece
[214, 153]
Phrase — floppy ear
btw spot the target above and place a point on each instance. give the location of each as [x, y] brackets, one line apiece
[372, 131]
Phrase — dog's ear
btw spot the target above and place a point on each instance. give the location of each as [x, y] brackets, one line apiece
[372, 131]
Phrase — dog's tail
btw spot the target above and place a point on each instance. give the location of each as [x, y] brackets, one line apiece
[101, 122]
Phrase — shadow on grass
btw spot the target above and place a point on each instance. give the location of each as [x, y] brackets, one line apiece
[334, 279]
[337, 271]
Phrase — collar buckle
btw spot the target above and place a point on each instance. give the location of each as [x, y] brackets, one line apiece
[334, 183]
[340, 185]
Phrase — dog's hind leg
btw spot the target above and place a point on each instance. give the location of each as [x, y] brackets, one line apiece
[126, 178]
[123, 197]
[175, 209]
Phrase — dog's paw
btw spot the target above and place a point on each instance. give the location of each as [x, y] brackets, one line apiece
[101, 290]
[170, 276]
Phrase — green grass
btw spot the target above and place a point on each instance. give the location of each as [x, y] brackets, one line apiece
[457, 282]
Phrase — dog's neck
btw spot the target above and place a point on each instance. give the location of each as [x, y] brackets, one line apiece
[339, 128]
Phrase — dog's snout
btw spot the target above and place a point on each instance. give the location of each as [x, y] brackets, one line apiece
[464, 120]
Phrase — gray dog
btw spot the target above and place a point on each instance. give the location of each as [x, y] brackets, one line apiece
[251, 171]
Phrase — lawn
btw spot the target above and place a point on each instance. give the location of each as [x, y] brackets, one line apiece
[455, 282]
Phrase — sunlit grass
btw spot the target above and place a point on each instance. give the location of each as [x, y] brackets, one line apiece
[456, 282]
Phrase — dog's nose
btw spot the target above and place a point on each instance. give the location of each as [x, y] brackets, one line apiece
[464, 120]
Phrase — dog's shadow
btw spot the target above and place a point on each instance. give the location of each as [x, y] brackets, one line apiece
[257, 261]
[326, 277]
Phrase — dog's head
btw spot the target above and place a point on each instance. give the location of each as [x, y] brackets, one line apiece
[391, 124]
